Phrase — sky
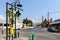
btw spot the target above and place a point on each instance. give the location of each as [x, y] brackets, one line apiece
[35, 9]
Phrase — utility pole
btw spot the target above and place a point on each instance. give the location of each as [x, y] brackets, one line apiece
[48, 18]
[42, 21]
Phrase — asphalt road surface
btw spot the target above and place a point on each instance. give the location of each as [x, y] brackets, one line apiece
[40, 34]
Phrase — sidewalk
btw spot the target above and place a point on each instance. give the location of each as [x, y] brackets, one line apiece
[3, 37]
[22, 38]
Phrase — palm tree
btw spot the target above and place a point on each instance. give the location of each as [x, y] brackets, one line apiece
[16, 15]
[25, 21]
[9, 15]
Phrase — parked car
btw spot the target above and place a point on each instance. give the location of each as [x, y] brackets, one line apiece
[53, 29]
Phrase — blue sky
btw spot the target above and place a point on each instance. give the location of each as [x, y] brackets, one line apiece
[35, 9]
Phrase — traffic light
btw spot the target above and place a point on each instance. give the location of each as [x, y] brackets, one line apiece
[18, 13]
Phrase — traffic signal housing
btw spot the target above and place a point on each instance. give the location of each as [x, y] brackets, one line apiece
[18, 13]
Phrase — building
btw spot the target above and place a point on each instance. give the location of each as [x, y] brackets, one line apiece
[18, 23]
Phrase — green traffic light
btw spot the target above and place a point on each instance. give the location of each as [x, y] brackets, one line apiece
[18, 13]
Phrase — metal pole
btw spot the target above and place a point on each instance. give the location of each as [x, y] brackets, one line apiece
[15, 35]
[6, 21]
[9, 29]
[12, 19]
[48, 19]
[2, 28]
[15, 22]
[42, 21]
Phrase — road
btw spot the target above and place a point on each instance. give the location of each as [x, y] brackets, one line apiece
[40, 34]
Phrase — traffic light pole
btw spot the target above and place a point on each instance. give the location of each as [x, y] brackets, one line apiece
[15, 16]
[12, 20]
[15, 22]
[6, 21]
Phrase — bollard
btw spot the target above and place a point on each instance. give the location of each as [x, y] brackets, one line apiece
[2, 32]
[18, 34]
[32, 35]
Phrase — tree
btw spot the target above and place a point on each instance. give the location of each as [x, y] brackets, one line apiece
[9, 15]
[45, 19]
[27, 22]
[30, 22]
[10, 20]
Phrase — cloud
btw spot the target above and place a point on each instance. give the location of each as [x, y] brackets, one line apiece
[2, 19]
